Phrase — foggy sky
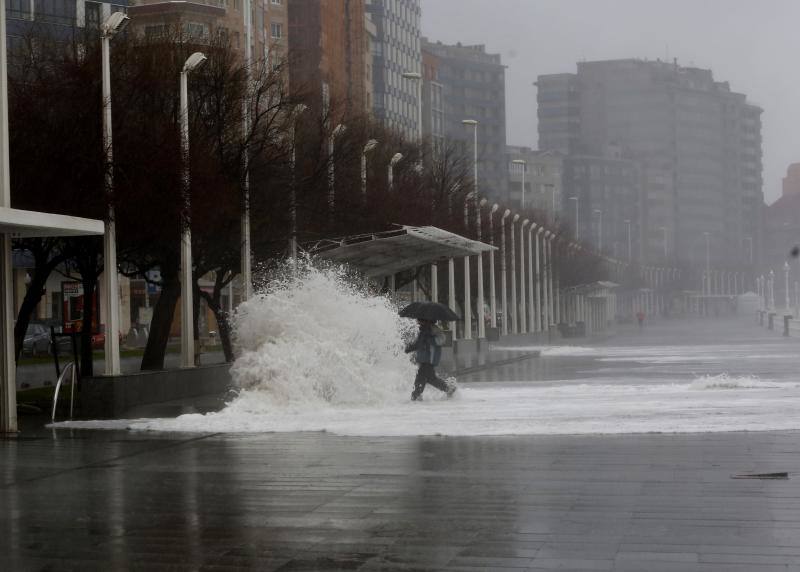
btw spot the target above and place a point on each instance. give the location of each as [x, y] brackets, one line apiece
[753, 45]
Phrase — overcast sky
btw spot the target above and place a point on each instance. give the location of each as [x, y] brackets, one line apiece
[753, 45]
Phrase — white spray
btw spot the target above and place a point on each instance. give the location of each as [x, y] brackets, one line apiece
[313, 337]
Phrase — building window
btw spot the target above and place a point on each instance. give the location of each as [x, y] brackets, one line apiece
[55, 11]
[195, 30]
[92, 15]
[278, 2]
[277, 30]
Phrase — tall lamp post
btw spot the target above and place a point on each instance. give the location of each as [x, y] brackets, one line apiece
[246, 252]
[538, 290]
[481, 297]
[523, 314]
[531, 306]
[708, 260]
[630, 253]
[599, 214]
[368, 147]
[337, 131]
[396, 158]
[187, 304]
[492, 289]
[524, 166]
[786, 270]
[577, 218]
[417, 77]
[514, 323]
[503, 273]
[113, 25]
[297, 111]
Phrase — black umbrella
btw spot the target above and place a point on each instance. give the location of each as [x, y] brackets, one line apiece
[432, 311]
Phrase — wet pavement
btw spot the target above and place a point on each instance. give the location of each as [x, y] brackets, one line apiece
[121, 500]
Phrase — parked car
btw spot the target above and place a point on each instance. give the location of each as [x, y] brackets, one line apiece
[37, 341]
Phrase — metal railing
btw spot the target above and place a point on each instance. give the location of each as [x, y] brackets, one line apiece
[72, 371]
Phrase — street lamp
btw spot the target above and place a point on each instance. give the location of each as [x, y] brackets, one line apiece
[481, 297]
[786, 277]
[474, 124]
[577, 219]
[297, 111]
[417, 77]
[531, 306]
[628, 222]
[492, 291]
[338, 130]
[396, 158]
[524, 168]
[187, 306]
[523, 314]
[503, 276]
[599, 213]
[539, 281]
[368, 146]
[708, 259]
[514, 323]
[113, 25]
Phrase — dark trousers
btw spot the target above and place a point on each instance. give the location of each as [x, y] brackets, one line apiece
[426, 374]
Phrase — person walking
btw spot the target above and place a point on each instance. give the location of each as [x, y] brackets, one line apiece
[428, 348]
[640, 318]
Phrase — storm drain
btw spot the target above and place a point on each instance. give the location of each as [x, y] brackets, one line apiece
[766, 476]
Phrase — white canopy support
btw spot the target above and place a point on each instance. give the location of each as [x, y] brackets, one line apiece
[15, 223]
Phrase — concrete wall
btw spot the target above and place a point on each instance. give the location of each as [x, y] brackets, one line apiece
[112, 397]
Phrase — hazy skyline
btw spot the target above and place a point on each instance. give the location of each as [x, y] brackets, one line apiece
[747, 45]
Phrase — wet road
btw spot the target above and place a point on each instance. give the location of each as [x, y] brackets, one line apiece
[117, 500]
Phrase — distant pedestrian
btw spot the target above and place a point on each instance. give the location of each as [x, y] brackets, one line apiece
[428, 348]
[640, 319]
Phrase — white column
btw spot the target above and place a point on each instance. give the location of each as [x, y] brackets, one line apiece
[467, 301]
[514, 315]
[504, 273]
[434, 283]
[8, 380]
[551, 300]
[522, 290]
[451, 291]
[545, 279]
[538, 289]
[531, 306]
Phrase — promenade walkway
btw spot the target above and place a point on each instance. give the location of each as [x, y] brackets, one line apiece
[121, 500]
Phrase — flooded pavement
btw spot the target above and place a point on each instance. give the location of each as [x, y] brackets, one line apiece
[112, 499]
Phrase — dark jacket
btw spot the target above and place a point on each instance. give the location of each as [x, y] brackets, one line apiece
[428, 345]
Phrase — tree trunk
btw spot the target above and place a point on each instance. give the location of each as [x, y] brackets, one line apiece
[223, 320]
[32, 298]
[44, 266]
[153, 358]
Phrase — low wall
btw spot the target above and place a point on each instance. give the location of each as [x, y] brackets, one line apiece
[105, 397]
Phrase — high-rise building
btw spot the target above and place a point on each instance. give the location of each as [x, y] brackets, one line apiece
[474, 88]
[396, 50]
[543, 172]
[202, 19]
[433, 113]
[699, 144]
[327, 43]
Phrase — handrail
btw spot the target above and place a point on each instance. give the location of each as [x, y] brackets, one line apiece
[69, 368]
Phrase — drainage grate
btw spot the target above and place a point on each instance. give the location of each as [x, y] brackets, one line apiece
[774, 476]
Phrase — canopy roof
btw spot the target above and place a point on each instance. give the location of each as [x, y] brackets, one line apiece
[386, 253]
[26, 224]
